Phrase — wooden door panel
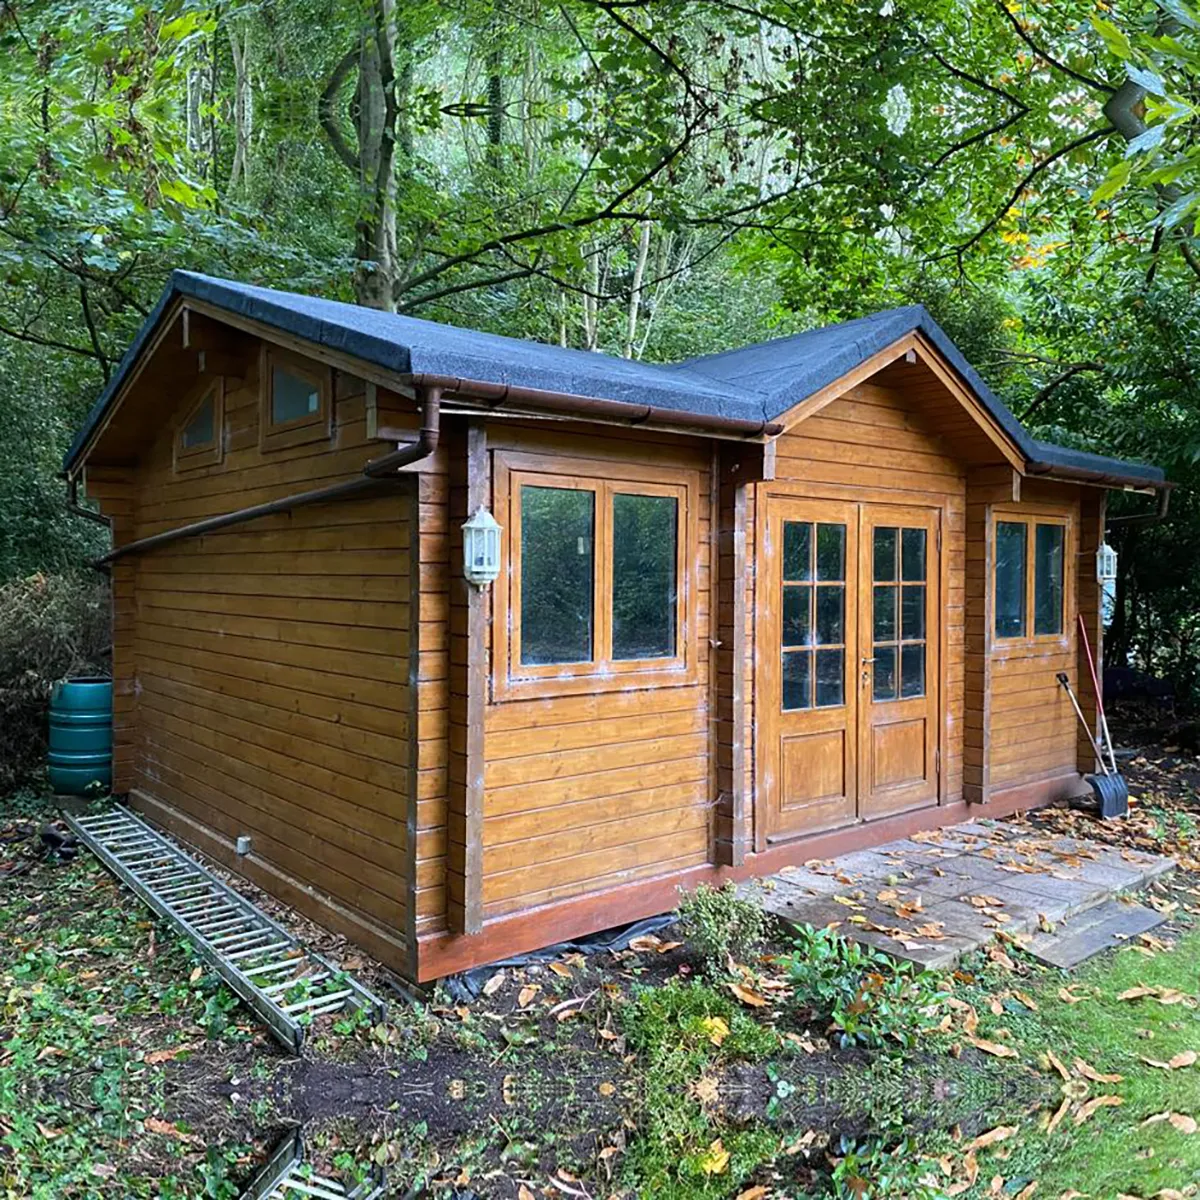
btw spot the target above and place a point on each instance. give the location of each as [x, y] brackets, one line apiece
[900, 638]
[807, 668]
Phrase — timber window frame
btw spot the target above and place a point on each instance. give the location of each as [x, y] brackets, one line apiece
[1033, 580]
[210, 451]
[308, 427]
[602, 671]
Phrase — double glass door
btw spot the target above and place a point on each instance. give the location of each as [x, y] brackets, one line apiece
[848, 667]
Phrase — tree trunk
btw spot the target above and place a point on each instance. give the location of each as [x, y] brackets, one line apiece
[635, 291]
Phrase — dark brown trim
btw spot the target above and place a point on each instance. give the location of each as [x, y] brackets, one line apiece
[377, 474]
[496, 394]
[479, 495]
[443, 953]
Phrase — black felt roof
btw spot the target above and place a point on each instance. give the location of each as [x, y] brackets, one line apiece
[756, 383]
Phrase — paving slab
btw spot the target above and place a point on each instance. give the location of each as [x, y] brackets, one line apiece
[1101, 928]
[1036, 880]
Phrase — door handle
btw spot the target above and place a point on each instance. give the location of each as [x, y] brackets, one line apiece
[866, 671]
[867, 661]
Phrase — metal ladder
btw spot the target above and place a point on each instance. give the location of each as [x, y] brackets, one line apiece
[286, 1177]
[268, 967]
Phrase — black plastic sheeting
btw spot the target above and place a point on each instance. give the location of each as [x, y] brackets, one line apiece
[467, 985]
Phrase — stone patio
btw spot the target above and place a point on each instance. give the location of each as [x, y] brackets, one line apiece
[933, 897]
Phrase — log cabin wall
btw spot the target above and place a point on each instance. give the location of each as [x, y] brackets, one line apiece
[1033, 732]
[594, 786]
[263, 671]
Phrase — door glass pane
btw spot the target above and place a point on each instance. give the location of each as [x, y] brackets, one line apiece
[830, 674]
[292, 397]
[797, 614]
[556, 575]
[884, 674]
[643, 582]
[912, 670]
[885, 614]
[1010, 579]
[912, 558]
[885, 555]
[829, 615]
[1048, 579]
[797, 550]
[912, 617]
[797, 679]
[831, 552]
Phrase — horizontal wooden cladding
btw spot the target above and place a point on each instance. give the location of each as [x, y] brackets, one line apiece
[389, 944]
[308, 850]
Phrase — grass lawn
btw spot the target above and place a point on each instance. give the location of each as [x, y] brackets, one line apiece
[126, 1070]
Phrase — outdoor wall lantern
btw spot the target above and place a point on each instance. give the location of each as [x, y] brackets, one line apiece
[481, 548]
[1106, 563]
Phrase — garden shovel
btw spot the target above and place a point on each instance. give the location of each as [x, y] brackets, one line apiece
[1109, 788]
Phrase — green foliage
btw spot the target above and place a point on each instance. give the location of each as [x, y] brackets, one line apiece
[873, 1170]
[873, 1000]
[723, 926]
[51, 627]
[674, 1028]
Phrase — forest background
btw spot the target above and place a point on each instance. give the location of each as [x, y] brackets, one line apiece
[652, 178]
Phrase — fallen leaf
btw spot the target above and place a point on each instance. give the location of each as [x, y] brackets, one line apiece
[1026, 1192]
[716, 1159]
[755, 1193]
[1094, 1106]
[1027, 1000]
[196, 975]
[1068, 997]
[996, 1048]
[494, 984]
[747, 995]
[1135, 993]
[528, 994]
[717, 1029]
[607, 1088]
[1089, 1072]
[999, 1134]
[646, 942]
[561, 970]
[1183, 1123]
[1056, 1063]
[1186, 1058]
[1055, 1120]
[154, 1125]
[523, 1193]
[48, 1132]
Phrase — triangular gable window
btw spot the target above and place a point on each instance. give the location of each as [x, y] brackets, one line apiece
[199, 442]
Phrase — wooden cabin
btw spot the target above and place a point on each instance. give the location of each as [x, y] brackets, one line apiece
[756, 608]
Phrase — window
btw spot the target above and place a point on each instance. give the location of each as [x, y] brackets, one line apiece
[1030, 588]
[595, 581]
[198, 442]
[295, 399]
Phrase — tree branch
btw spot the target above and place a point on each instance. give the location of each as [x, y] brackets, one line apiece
[1190, 257]
[1050, 159]
[1086, 80]
[94, 337]
[23, 335]
[1050, 388]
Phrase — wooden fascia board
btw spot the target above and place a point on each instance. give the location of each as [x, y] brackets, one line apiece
[811, 405]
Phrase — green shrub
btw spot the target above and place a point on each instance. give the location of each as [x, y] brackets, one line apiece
[873, 1171]
[51, 627]
[675, 1030]
[722, 925]
[869, 997]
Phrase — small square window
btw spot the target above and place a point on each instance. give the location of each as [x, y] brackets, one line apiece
[198, 440]
[296, 400]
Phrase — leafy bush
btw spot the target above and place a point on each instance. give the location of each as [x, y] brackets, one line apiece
[51, 627]
[722, 925]
[873, 1171]
[862, 992]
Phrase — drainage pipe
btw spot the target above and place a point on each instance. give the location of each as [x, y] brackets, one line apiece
[376, 475]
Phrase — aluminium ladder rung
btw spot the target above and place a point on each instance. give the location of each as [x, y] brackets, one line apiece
[244, 945]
